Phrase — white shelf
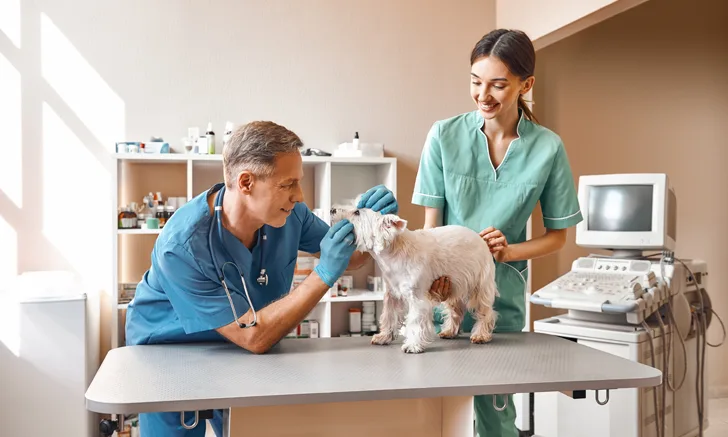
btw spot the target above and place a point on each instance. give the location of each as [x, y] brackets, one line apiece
[177, 158]
[122, 306]
[139, 231]
[356, 296]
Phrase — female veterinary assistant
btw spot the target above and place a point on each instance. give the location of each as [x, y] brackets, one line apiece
[486, 170]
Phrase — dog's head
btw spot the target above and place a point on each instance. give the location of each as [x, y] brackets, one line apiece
[374, 231]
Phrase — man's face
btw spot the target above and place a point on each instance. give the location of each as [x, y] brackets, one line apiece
[272, 199]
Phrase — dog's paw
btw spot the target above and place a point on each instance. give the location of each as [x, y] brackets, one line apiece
[448, 334]
[481, 338]
[382, 338]
[413, 348]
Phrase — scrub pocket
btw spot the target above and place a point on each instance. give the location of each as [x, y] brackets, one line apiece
[511, 305]
[287, 272]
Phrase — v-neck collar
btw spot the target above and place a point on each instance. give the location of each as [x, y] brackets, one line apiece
[480, 123]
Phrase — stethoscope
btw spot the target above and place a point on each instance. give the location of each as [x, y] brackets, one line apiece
[262, 277]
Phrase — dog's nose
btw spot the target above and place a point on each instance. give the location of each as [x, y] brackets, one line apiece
[333, 211]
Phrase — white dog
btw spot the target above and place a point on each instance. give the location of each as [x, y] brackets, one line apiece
[411, 261]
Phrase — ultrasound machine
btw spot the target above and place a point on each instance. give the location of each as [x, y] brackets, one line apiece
[653, 308]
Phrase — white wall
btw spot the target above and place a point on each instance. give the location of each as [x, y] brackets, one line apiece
[78, 75]
[547, 21]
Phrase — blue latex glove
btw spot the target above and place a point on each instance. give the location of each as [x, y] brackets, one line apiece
[379, 199]
[337, 247]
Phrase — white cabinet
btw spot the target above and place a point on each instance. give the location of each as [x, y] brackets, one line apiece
[48, 355]
[327, 180]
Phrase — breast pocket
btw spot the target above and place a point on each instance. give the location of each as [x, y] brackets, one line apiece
[287, 272]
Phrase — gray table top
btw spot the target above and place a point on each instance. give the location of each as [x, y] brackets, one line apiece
[188, 377]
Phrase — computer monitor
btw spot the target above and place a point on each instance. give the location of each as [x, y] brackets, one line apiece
[627, 213]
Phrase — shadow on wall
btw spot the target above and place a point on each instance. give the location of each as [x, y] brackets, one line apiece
[59, 118]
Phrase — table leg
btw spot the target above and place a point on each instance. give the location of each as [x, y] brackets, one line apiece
[226, 422]
[458, 416]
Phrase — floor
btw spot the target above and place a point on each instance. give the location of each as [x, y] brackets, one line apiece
[717, 415]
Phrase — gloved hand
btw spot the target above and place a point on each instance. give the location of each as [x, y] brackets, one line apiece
[337, 247]
[379, 199]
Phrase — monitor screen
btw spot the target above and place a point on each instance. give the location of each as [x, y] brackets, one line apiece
[620, 208]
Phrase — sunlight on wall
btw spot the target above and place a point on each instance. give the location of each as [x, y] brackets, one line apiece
[11, 164]
[80, 86]
[10, 20]
[9, 312]
[8, 250]
[73, 178]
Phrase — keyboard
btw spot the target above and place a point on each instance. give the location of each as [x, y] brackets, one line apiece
[601, 281]
[598, 287]
[626, 289]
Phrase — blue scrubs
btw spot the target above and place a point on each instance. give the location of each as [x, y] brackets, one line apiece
[181, 299]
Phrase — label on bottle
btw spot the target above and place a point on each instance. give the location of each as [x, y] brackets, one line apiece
[128, 223]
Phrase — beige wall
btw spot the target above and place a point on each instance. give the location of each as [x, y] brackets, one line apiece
[552, 20]
[645, 92]
[84, 74]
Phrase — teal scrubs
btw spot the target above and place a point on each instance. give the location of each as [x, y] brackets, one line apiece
[181, 299]
[457, 176]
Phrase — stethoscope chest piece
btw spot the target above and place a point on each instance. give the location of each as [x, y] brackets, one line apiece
[263, 277]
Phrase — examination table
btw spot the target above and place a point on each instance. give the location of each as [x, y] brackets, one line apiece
[345, 386]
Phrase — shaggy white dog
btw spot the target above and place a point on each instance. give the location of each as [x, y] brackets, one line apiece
[410, 261]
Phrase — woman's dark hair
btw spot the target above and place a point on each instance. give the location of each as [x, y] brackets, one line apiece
[515, 49]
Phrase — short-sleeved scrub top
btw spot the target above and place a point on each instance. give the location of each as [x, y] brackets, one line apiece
[456, 175]
[181, 298]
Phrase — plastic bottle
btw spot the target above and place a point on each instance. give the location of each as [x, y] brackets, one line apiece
[210, 139]
[354, 320]
[356, 141]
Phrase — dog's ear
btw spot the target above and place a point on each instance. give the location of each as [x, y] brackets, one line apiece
[393, 221]
[356, 200]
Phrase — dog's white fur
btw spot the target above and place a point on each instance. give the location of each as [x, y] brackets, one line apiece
[410, 261]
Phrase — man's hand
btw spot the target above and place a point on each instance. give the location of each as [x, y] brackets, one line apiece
[497, 243]
[337, 248]
[440, 289]
[379, 199]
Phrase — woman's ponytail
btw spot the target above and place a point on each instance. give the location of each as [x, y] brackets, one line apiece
[524, 107]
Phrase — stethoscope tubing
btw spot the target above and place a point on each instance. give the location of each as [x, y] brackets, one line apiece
[262, 279]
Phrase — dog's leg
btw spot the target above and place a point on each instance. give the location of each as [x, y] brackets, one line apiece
[453, 315]
[389, 320]
[481, 304]
[419, 326]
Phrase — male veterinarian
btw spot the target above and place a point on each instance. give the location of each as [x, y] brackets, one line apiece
[223, 265]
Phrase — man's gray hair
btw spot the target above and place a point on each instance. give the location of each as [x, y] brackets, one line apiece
[254, 147]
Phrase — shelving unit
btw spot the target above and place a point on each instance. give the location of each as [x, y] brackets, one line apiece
[327, 180]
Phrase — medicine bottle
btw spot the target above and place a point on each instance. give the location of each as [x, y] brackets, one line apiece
[161, 216]
[168, 212]
[354, 320]
[127, 218]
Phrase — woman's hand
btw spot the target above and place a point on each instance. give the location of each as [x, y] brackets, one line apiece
[440, 289]
[497, 243]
